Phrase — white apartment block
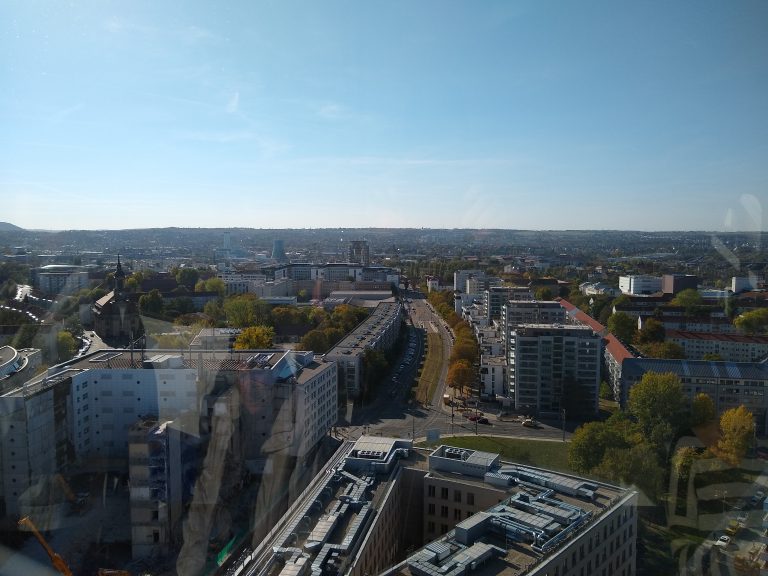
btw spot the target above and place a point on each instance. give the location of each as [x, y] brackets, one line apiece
[552, 362]
[83, 410]
[460, 278]
[495, 297]
[493, 376]
[639, 284]
[730, 347]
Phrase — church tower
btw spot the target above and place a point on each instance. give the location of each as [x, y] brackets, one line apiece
[119, 277]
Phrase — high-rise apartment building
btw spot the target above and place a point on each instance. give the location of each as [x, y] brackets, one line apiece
[556, 367]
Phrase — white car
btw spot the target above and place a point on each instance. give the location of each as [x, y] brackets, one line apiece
[723, 541]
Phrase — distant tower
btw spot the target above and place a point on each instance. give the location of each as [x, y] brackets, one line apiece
[278, 251]
[119, 277]
[359, 252]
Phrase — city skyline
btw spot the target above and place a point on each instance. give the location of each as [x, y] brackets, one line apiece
[300, 115]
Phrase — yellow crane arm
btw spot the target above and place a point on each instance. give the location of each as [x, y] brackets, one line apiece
[56, 560]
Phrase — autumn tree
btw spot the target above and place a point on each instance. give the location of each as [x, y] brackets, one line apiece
[737, 431]
[623, 326]
[460, 375]
[254, 338]
[464, 350]
[668, 350]
[702, 409]
[683, 460]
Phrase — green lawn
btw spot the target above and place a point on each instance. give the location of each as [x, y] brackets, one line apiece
[430, 372]
[550, 454]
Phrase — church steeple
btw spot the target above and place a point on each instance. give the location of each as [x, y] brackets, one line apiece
[119, 277]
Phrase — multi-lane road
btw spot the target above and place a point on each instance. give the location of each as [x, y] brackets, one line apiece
[391, 413]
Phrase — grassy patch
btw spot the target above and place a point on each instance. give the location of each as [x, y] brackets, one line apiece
[430, 372]
[550, 454]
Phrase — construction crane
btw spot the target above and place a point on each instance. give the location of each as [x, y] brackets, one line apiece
[56, 560]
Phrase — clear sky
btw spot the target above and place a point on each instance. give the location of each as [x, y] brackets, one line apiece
[478, 114]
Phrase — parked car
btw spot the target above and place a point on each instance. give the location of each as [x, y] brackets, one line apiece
[723, 542]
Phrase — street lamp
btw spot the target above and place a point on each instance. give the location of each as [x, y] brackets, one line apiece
[562, 413]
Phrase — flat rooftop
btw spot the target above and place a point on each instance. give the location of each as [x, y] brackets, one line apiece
[324, 529]
[6, 354]
[543, 510]
[285, 363]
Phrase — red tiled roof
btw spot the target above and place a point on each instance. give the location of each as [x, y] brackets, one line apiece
[613, 345]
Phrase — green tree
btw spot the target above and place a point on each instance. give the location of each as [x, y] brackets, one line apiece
[752, 322]
[66, 346]
[316, 341]
[544, 293]
[702, 409]
[712, 357]
[254, 338]
[737, 431]
[187, 277]
[25, 336]
[215, 311]
[151, 303]
[690, 299]
[211, 285]
[658, 404]
[623, 326]
[590, 441]
[652, 331]
[606, 393]
[241, 311]
[375, 367]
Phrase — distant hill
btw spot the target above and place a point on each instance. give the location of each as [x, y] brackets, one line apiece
[8, 227]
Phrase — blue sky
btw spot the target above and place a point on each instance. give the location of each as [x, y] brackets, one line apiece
[534, 115]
